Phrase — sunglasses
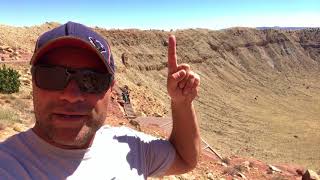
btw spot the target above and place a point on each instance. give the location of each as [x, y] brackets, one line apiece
[57, 78]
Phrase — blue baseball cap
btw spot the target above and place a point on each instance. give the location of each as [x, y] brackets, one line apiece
[75, 35]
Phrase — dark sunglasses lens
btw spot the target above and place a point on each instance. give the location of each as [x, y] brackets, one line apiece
[51, 78]
[92, 82]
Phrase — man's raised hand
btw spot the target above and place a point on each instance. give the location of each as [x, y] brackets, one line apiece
[182, 83]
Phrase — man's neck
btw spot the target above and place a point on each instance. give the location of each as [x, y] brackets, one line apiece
[63, 146]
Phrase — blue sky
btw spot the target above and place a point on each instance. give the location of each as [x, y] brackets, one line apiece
[163, 14]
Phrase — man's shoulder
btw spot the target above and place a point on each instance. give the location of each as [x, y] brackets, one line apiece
[9, 150]
[12, 140]
[14, 157]
[13, 146]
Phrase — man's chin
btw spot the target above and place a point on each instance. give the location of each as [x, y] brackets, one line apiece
[71, 138]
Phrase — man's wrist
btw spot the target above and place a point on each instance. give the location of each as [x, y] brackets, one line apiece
[184, 102]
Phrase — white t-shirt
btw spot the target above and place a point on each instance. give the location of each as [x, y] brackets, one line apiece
[116, 153]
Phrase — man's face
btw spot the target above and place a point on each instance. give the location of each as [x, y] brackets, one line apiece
[69, 118]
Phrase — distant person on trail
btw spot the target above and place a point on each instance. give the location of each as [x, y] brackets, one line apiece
[73, 73]
[125, 94]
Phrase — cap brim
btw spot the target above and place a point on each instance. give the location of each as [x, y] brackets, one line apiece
[67, 41]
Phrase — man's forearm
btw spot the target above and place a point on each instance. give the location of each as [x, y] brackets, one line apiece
[182, 86]
[185, 135]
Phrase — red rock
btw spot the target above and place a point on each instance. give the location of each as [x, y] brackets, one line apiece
[310, 175]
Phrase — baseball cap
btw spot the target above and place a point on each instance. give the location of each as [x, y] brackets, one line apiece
[76, 35]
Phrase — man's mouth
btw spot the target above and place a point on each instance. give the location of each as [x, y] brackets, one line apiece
[70, 116]
[66, 120]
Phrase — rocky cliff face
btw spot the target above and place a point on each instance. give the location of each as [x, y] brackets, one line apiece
[259, 94]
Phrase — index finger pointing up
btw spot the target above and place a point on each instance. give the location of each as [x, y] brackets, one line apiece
[172, 56]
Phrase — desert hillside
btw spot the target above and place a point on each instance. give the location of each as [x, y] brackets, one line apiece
[259, 94]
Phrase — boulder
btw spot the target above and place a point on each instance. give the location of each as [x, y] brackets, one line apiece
[246, 164]
[4, 47]
[16, 53]
[310, 175]
[165, 43]
[210, 176]
[157, 114]
[273, 168]
[241, 175]
[10, 50]
[124, 58]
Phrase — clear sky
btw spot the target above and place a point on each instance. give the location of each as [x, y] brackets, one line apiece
[163, 14]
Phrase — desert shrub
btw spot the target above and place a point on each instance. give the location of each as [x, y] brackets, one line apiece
[230, 171]
[9, 80]
[240, 168]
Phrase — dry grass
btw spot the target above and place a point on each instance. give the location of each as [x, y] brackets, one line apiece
[8, 116]
[240, 168]
[279, 177]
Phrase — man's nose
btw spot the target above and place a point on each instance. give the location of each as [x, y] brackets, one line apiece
[72, 93]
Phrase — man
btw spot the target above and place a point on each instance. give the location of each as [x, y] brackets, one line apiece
[72, 78]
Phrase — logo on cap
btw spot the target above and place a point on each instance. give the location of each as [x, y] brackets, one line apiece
[97, 44]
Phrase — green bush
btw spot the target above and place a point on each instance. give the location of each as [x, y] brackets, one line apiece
[9, 80]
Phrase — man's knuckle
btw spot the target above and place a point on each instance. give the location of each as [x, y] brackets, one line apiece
[191, 76]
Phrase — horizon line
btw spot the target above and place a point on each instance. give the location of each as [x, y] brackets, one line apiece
[171, 29]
